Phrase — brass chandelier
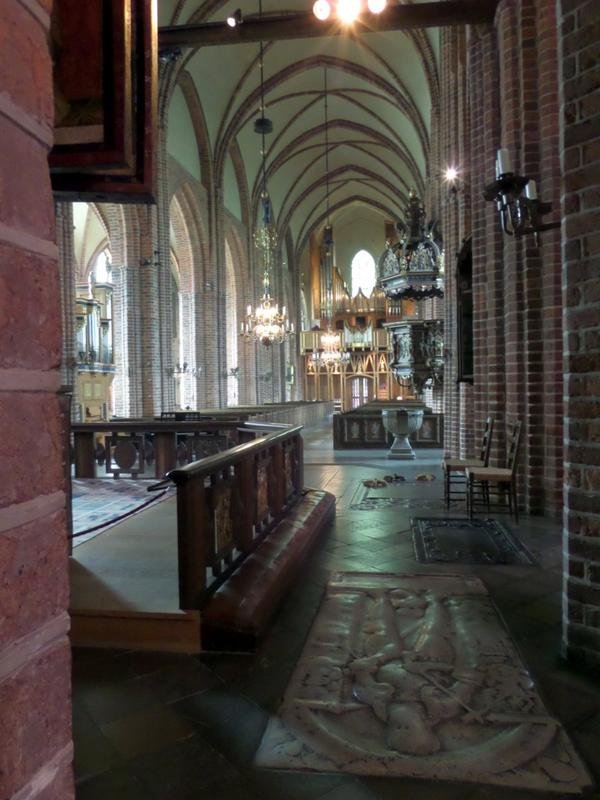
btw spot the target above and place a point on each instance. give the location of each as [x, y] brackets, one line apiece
[330, 353]
[265, 324]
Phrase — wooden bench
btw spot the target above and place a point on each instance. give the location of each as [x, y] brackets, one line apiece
[239, 611]
[245, 525]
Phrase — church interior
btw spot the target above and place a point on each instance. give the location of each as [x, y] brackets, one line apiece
[299, 399]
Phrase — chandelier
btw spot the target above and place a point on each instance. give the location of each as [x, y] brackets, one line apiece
[265, 324]
[330, 354]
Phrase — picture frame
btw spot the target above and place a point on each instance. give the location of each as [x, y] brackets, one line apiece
[105, 82]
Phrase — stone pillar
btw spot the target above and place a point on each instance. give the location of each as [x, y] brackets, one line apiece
[580, 203]
[35, 692]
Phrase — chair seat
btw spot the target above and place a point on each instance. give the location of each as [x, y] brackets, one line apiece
[491, 474]
[460, 464]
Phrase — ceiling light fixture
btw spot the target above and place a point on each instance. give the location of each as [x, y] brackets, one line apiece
[348, 11]
[266, 324]
[376, 6]
[235, 19]
[322, 10]
[330, 353]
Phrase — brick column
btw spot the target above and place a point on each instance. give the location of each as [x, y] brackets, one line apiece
[488, 269]
[35, 701]
[150, 315]
[165, 390]
[187, 336]
[580, 203]
[127, 386]
[66, 264]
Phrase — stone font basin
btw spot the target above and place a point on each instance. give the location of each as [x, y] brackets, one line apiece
[401, 422]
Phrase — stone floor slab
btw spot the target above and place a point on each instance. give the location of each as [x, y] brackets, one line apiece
[416, 676]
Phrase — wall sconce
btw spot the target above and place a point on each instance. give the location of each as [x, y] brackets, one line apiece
[520, 214]
[452, 180]
[184, 369]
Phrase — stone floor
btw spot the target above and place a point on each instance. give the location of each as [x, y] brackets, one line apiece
[167, 727]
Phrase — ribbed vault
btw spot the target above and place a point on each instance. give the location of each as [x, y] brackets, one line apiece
[382, 97]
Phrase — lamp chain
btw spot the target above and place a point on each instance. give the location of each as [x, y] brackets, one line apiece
[326, 150]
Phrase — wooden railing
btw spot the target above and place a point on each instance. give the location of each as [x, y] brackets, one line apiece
[227, 503]
[146, 447]
[151, 447]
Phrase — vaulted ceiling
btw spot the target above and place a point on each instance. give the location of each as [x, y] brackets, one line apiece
[381, 88]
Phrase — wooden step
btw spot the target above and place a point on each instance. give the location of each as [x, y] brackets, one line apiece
[173, 632]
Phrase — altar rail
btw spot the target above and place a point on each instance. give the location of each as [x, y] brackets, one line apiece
[228, 503]
[152, 447]
[148, 448]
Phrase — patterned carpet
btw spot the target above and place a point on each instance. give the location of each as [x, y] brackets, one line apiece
[416, 676]
[465, 541]
[99, 503]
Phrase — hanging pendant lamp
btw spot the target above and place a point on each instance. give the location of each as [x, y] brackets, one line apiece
[265, 324]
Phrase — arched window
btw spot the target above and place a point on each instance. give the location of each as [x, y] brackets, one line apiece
[102, 267]
[176, 337]
[231, 329]
[363, 273]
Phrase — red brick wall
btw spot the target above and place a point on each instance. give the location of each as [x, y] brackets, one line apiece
[35, 749]
[510, 100]
[580, 202]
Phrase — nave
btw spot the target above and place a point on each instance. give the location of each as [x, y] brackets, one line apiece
[164, 726]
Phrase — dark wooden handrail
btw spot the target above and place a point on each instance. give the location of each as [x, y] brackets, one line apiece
[227, 503]
[155, 426]
[211, 464]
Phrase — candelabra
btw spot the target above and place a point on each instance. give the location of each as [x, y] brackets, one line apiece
[517, 201]
[184, 369]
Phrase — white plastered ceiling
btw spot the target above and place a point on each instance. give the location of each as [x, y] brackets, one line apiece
[380, 89]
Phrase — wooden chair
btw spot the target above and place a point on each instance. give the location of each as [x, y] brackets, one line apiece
[455, 468]
[504, 479]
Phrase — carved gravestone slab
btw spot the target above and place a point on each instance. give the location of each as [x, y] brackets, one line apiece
[415, 675]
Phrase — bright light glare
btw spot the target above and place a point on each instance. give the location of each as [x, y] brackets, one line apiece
[348, 10]
[322, 10]
[451, 174]
[376, 6]
[231, 21]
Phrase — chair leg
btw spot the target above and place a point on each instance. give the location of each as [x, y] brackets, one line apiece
[447, 488]
[470, 497]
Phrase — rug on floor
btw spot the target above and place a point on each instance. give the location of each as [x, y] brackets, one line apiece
[416, 676]
[377, 503]
[99, 503]
[465, 541]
